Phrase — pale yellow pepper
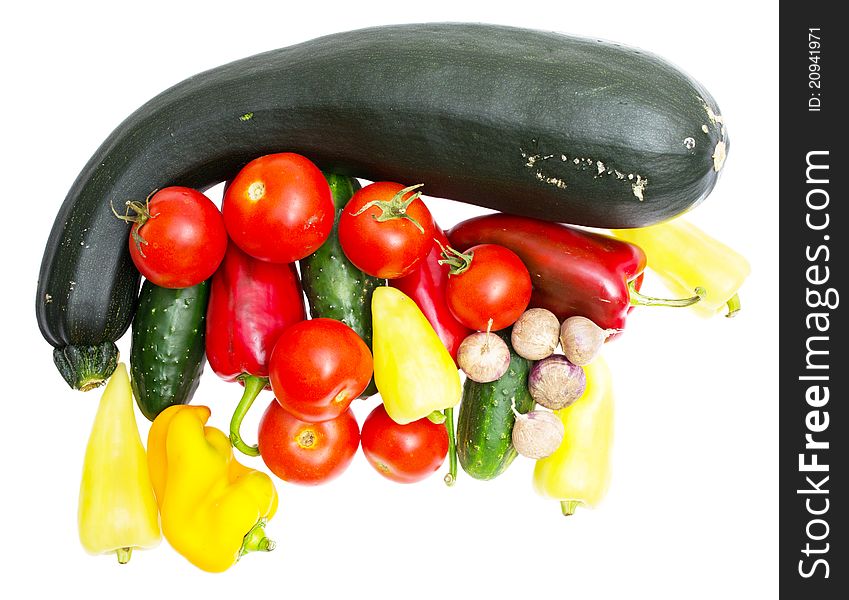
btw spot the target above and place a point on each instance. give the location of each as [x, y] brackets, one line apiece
[117, 508]
[686, 257]
[578, 472]
[213, 508]
[413, 371]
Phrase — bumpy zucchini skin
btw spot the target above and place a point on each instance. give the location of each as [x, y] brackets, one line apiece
[525, 122]
[485, 424]
[334, 287]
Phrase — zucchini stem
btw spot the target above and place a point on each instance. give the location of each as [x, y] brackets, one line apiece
[253, 386]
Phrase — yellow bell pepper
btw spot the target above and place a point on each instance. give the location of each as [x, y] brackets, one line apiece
[578, 472]
[686, 257]
[117, 509]
[413, 371]
[213, 508]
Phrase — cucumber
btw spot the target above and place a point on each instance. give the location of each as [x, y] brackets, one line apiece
[485, 424]
[167, 352]
[335, 288]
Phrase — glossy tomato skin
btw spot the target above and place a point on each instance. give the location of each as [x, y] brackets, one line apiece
[307, 453]
[279, 208]
[403, 453]
[318, 367]
[496, 286]
[182, 242]
[384, 249]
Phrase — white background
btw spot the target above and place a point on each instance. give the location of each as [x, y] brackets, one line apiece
[692, 511]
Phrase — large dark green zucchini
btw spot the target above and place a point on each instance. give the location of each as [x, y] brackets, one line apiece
[525, 122]
[167, 354]
[334, 287]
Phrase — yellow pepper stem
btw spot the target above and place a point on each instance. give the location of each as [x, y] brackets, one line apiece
[253, 386]
[638, 299]
[123, 555]
[451, 477]
[733, 306]
[569, 507]
[255, 540]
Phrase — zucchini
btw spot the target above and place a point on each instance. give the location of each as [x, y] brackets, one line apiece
[335, 288]
[570, 129]
[485, 424]
[167, 352]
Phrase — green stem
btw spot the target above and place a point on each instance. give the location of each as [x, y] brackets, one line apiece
[253, 386]
[396, 208]
[451, 477]
[123, 555]
[733, 306]
[569, 506]
[436, 417]
[141, 217]
[255, 540]
[638, 299]
[456, 260]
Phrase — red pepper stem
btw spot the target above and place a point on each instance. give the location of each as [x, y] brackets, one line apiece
[733, 305]
[253, 386]
[638, 299]
[451, 476]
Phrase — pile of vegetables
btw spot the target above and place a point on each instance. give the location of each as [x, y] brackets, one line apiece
[322, 290]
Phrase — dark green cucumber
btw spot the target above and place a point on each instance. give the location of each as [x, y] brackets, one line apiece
[335, 288]
[485, 424]
[167, 353]
[525, 122]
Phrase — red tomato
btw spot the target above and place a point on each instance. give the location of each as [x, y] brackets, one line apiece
[178, 239]
[496, 285]
[403, 453]
[279, 208]
[307, 453]
[318, 367]
[386, 229]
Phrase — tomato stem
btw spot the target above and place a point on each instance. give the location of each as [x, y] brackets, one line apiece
[142, 215]
[451, 477]
[396, 208]
[253, 386]
[458, 261]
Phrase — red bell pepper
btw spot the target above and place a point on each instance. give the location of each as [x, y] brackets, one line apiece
[251, 302]
[426, 286]
[574, 272]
